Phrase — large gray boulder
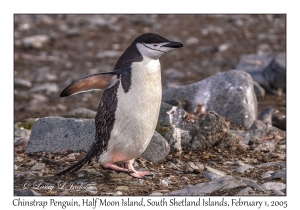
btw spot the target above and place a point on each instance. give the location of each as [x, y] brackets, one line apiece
[230, 94]
[53, 134]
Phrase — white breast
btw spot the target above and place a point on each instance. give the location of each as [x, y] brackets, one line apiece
[136, 114]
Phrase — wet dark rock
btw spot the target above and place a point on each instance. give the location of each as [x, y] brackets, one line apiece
[81, 113]
[26, 193]
[267, 70]
[223, 183]
[230, 94]
[279, 118]
[157, 150]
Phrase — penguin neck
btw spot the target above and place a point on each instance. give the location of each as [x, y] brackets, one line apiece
[151, 65]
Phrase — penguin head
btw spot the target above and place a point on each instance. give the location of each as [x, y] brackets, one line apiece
[154, 46]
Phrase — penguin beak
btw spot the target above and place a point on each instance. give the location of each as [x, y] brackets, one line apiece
[173, 45]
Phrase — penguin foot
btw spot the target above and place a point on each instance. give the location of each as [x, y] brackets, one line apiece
[134, 173]
[141, 174]
[116, 168]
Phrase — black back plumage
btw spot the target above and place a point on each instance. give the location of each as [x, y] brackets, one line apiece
[105, 117]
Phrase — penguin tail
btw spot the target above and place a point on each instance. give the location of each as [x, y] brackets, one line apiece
[74, 167]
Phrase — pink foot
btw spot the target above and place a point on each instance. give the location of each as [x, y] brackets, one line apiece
[128, 169]
[136, 174]
[141, 174]
[116, 168]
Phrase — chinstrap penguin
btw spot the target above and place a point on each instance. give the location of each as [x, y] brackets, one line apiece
[128, 111]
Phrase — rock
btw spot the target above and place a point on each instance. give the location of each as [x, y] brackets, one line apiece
[91, 189]
[278, 164]
[20, 141]
[244, 168]
[49, 88]
[280, 174]
[275, 192]
[18, 159]
[252, 183]
[230, 94]
[21, 132]
[279, 118]
[122, 188]
[223, 183]
[26, 193]
[52, 134]
[259, 90]
[192, 167]
[192, 41]
[273, 186]
[36, 41]
[267, 146]
[266, 115]
[45, 77]
[211, 176]
[185, 131]
[212, 173]
[18, 82]
[157, 150]
[72, 32]
[156, 194]
[81, 113]
[246, 191]
[257, 124]
[38, 167]
[267, 70]
[264, 49]
[267, 174]
[224, 47]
